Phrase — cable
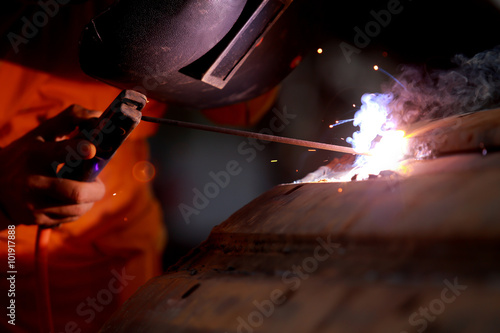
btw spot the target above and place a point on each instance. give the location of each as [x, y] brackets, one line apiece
[44, 307]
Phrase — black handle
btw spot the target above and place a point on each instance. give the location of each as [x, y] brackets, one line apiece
[113, 127]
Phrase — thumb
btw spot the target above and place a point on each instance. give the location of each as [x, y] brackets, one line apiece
[71, 152]
[65, 122]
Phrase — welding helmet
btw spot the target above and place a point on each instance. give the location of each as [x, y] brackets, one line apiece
[200, 54]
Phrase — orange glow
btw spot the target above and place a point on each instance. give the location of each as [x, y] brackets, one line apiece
[320, 50]
[143, 171]
[311, 150]
[296, 61]
[340, 190]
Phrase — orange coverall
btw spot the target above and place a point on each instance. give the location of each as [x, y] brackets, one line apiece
[97, 262]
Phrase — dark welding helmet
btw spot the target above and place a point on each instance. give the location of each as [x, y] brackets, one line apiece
[197, 53]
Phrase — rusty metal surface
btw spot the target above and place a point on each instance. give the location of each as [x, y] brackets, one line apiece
[456, 196]
[460, 133]
[377, 256]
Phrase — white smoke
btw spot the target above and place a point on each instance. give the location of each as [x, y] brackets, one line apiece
[473, 85]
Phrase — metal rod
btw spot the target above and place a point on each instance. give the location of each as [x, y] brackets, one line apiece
[259, 136]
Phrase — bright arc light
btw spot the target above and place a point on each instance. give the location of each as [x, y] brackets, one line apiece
[375, 67]
[320, 50]
[377, 136]
[387, 153]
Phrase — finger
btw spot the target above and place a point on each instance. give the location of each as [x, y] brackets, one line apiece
[53, 221]
[64, 213]
[52, 191]
[65, 122]
[71, 151]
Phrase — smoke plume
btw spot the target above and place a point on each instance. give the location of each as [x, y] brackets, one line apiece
[473, 85]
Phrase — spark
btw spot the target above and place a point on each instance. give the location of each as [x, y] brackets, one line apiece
[377, 68]
[340, 122]
[114, 194]
[340, 190]
[311, 150]
[274, 161]
[320, 50]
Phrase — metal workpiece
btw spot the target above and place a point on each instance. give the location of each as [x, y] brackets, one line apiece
[376, 251]
[403, 252]
[472, 132]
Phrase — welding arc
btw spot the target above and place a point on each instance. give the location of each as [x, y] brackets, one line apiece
[259, 136]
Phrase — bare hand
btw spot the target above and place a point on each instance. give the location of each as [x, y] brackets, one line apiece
[31, 192]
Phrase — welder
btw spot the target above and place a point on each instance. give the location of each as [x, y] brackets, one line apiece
[108, 235]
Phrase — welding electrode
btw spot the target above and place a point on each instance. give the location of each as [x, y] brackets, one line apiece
[259, 136]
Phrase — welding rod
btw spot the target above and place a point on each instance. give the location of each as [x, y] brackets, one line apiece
[259, 136]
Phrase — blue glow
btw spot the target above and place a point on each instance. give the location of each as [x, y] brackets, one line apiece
[377, 68]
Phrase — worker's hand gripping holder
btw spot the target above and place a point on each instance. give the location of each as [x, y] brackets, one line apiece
[113, 127]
